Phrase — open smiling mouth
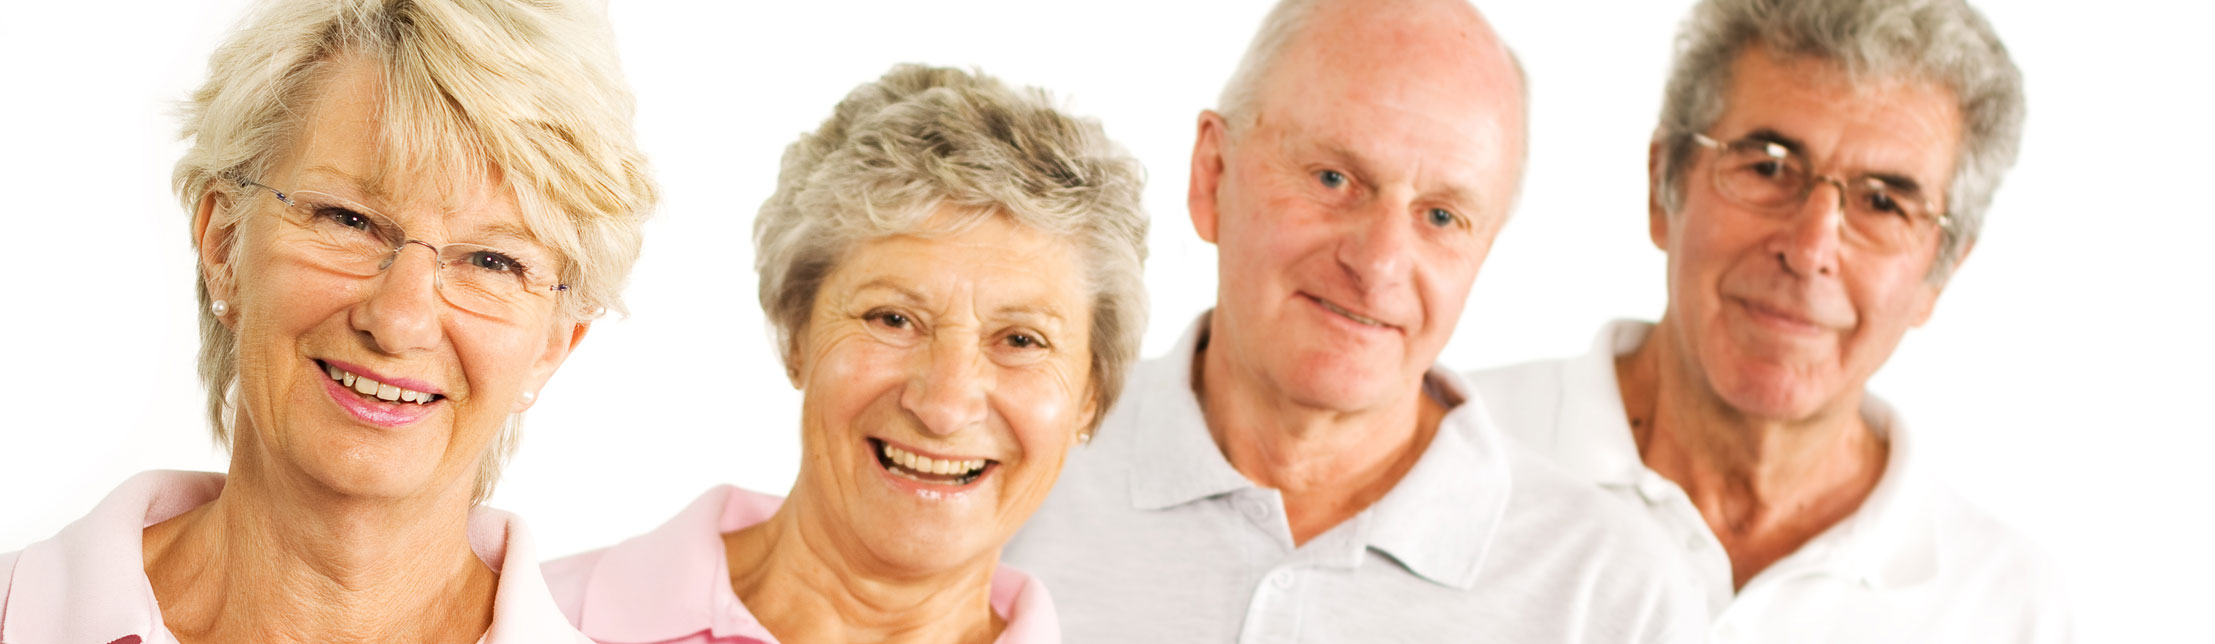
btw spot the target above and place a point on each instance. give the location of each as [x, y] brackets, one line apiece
[377, 391]
[924, 469]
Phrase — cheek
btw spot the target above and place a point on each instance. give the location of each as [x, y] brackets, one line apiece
[1042, 409]
[849, 375]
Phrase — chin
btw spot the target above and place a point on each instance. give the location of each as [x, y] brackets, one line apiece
[1327, 380]
[1772, 392]
[938, 547]
[369, 472]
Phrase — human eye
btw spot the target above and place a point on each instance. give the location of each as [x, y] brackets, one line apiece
[889, 319]
[494, 261]
[1331, 179]
[1024, 340]
[1441, 217]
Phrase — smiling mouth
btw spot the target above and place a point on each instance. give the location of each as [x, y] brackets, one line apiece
[924, 469]
[374, 390]
[1350, 315]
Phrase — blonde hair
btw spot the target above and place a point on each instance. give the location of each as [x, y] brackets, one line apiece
[527, 92]
[919, 138]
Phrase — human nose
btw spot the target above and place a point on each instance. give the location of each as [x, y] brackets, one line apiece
[1377, 251]
[1809, 247]
[399, 314]
[948, 393]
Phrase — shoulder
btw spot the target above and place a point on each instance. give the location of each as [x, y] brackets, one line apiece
[568, 577]
[7, 578]
[1525, 399]
[1572, 542]
[1984, 557]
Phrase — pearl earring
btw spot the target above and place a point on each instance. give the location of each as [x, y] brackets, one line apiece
[220, 308]
[1084, 438]
[530, 397]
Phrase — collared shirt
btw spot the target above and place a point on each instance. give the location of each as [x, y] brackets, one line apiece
[1914, 563]
[1152, 536]
[673, 585]
[87, 585]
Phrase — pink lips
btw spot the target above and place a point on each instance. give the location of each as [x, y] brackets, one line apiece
[375, 412]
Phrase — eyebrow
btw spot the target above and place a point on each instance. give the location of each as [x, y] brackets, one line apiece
[374, 190]
[1893, 181]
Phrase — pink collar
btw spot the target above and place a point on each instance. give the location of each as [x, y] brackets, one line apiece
[88, 583]
[672, 582]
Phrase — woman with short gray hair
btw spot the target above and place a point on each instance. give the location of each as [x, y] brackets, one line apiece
[405, 215]
[953, 270]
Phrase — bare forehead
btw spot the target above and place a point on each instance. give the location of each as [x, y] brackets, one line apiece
[993, 264]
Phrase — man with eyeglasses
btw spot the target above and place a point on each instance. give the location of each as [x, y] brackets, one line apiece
[1820, 169]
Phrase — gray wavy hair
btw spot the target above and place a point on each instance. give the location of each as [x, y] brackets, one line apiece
[532, 89]
[1941, 41]
[921, 138]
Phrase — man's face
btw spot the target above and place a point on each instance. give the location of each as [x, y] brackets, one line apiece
[1353, 210]
[1782, 312]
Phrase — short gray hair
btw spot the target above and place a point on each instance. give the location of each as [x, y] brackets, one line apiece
[531, 88]
[1942, 41]
[919, 139]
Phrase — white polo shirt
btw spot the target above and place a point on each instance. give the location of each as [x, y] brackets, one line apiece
[1151, 536]
[1915, 563]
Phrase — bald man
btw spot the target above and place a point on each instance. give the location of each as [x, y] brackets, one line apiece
[1282, 474]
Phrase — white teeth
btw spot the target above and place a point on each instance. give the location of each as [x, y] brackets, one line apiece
[380, 390]
[928, 465]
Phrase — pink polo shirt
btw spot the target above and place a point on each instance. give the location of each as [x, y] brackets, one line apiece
[672, 585]
[87, 585]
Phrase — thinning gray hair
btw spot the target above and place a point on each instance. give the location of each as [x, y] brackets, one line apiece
[920, 139]
[1941, 41]
[1240, 102]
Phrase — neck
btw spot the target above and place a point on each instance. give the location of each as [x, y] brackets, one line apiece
[808, 582]
[1328, 464]
[1765, 486]
[267, 562]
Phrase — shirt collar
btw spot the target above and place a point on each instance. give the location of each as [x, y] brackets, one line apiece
[1595, 441]
[1437, 521]
[1890, 540]
[1171, 442]
[673, 581]
[523, 610]
[88, 583]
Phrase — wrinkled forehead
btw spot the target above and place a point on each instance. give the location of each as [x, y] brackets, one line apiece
[358, 141]
[1895, 122]
[1434, 94]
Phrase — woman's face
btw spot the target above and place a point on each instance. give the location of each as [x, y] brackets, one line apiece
[944, 379]
[371, 386]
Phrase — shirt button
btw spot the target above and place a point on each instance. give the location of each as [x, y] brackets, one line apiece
[1282, 579]
[1255, 510]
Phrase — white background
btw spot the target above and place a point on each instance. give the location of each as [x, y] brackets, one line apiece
[2061, 384]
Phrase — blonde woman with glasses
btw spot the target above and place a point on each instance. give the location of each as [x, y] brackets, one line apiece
[405, 215]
